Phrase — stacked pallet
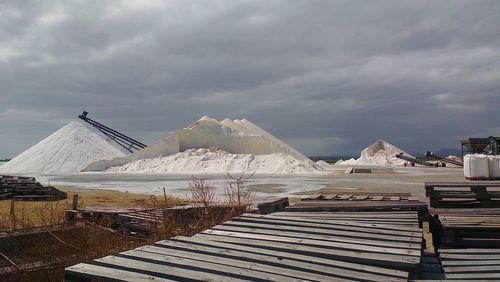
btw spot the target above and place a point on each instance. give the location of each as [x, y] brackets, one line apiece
[275, 247]
[470, 194]
[147, 221]
[21, 188]
[353, 202]
[360, 196]
[466, 227]
[471, 264]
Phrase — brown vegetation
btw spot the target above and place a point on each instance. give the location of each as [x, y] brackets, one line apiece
[42, 253]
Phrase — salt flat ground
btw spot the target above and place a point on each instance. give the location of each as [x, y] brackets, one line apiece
[401, 179]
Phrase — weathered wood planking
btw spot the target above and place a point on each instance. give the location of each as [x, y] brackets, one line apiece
[466, 227]
[463, 194]
[314, 233]
[472, 264]
[282, 259]
[27, 189]
[275, 247]
[354, 269]
[399, 218]
[372, 205]
[83, 271]
[359, 196]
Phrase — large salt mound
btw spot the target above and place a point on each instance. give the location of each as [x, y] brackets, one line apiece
[69, 149]
[379, 153]
[238, 139]
[211, 160]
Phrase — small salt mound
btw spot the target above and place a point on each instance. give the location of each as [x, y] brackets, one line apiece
[236, 137]
[379, 153]
[212, 160]
[69, 149]
[323, 164]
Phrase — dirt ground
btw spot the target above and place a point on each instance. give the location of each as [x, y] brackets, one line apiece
[400, 180]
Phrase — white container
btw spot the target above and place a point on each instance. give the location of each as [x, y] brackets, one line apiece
[494, 164]
[476, 167]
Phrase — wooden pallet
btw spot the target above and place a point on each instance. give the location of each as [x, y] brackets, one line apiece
[275, 247]
[471, 264]
[372, 203]
[360, 196]
[21, 188]
[182, 216]
[466, 227]
[463, 194]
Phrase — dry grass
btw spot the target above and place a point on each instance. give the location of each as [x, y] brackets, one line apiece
[32, 214]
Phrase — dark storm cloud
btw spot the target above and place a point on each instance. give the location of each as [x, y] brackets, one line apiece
[328, 77]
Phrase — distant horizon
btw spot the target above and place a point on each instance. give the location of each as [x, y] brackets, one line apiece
[326, 155]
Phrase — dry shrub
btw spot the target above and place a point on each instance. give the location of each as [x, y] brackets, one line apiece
[238, 193]
[201, 193]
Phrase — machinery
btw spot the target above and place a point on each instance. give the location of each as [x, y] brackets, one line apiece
[414, 161]
[121, 139]
[429, 160]
[489, 146]
[431, 156]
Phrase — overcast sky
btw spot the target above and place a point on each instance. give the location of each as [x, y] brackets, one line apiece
[327, 77]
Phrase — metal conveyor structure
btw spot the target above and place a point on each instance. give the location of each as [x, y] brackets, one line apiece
[413, 161]
[430, 155]
[121, 139]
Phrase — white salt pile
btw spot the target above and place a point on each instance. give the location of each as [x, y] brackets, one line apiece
[212, 160]
[323, 164]
[69, 149]
[226, 146]
[379, 153]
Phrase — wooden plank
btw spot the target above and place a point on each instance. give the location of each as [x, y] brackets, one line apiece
[95, 272]
[169, 271]
[389, 226]
[467, 211]
[472, 269]
[329, 196]
[247, 272]
[205, 240]
[475, 257]
[474, 276]
[383, 225]
[409, 223]
[337, 232]
[378, 229]
[344, 196]
[469, 251]
[271, 258]
[317, 243]
[397, 261]
[381, 214]
[308, 234]
[463, 184]
[238, 261]
[314, 197]
[372, 203]
[403, 221]
[469, 262]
